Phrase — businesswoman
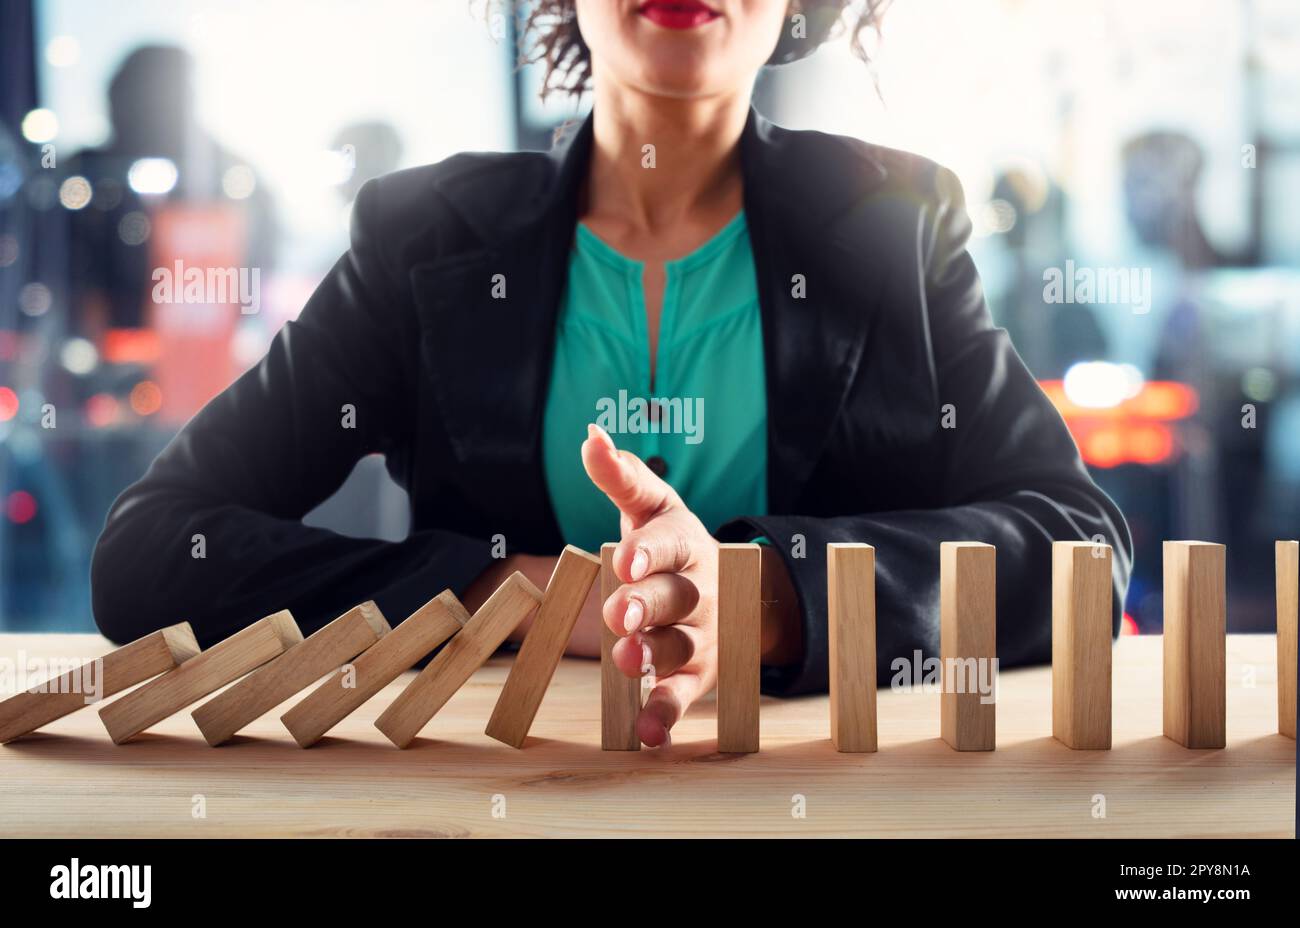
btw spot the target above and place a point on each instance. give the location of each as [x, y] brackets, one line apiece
[807, 299]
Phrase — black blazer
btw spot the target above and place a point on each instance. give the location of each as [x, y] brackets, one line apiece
[891, 334]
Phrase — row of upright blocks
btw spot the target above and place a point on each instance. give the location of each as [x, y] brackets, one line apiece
[1195, 625]
[358, 654]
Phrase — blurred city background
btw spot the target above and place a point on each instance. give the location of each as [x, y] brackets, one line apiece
[1092, 137]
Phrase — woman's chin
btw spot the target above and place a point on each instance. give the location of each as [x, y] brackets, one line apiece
[678, 83]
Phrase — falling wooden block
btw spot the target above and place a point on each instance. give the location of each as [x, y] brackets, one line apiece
[620, 695]
[445, 674]
[1081, 644]
[740, 630]
[851, 621]
[293, 671]
[396, 652]
[1288, 595]
[206, 673]
[89, 683]
[540, 654]
[1195, 682]
[968, 644]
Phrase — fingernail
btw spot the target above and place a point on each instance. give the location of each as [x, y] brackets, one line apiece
[640, 563]
[668, 740]
[596, 432]
[645, 655]
[634, 615]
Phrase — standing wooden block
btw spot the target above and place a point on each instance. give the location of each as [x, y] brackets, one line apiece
[225, 661]
[620, 695]
[1081, 644]
[740, 628]
[395, 653]
[455, 663]
[130, 664]
[968, 644]
[293, 671]
[1196, 616]
[851, 621]
[1288, 595]
[540, 654]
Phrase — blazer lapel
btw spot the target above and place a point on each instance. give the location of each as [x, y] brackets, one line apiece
[488, 316]
[817, 291]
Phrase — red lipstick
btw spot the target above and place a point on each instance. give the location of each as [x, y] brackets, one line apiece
[678, 14]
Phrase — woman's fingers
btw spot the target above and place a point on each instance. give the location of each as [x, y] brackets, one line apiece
[624, 478]
[658, 651]
[659, 599]
[667, 703]
[661, 545]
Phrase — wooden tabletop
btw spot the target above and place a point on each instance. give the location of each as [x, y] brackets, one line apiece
[69, 780]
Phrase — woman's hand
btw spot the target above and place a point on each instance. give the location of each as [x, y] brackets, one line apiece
[665, 613]
[666, 610]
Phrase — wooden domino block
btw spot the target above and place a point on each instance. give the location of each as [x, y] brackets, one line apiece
[851, 622]
[968, 644]
[739, 647]
[130, 664]
[1195, 671]
[206, 673]
[396, 652]
[620, 695]
[1081, 644]
[1288, 595]
[293, 671]
[540, 654]
[455, 663]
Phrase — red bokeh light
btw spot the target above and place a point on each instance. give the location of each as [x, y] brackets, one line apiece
[8, 404]
[102, 410]
[20, 507]
[1141, 430]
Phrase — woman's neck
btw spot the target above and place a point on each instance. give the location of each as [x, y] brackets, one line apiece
[691, 167]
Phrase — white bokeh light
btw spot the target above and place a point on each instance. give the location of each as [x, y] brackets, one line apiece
[154, 176]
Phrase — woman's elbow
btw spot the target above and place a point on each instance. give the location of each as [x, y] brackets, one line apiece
[108, 597]
[122, 595]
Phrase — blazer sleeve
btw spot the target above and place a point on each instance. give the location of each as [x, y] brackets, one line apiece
[213, 534]
[1012, 477]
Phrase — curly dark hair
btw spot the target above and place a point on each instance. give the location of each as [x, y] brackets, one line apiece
[556, 42]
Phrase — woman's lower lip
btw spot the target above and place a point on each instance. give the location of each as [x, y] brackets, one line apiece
[685, 16]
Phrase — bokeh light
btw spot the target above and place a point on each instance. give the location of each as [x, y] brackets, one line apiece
[34, 299]
[8, 404]
[146, 398]
[40, 125]
[79, 356]
[102, 410]
[152, 176]
[63, 51]
[20, 507]
[75, 193]
[134, 228]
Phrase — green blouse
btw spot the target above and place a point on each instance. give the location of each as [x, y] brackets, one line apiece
[703, 423]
